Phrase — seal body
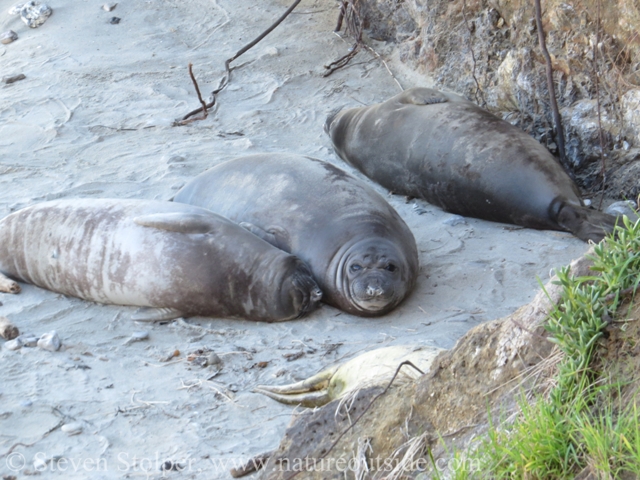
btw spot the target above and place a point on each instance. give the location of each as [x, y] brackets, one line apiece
[360, 251]
[176, 258]
[448, 151]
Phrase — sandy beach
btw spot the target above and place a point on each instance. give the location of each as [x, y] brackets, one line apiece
[93, 119]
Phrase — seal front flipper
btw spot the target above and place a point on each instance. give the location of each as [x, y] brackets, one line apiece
[276, 236]
[422, 96]
[151, 314]
[584, 223]
[8, 286]
[177, 222]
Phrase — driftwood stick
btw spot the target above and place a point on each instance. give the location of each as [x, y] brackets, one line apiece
[343, 8]
[8, 330]
[552, 92]
[227, 77]
[195, 84]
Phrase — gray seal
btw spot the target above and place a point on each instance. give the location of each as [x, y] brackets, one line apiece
[448, 151]
[176, 259]
[360, 251]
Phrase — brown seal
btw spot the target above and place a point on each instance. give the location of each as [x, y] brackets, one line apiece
[448, 151]
[360, 251]
[178, 259]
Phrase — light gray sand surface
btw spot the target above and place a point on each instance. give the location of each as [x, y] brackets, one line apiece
[93, 119]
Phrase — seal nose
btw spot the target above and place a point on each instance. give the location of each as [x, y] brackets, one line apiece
[316, 295]
[374, 291]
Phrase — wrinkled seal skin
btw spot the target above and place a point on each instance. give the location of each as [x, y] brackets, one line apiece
[154, 254]
[360, 251]
[448, 151]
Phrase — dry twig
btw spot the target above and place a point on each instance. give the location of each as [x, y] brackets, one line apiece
[552, 92]
[348, 12]
[224, 81]
[473, 57]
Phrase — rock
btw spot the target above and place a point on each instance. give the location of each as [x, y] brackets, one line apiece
[33, 14]
[13, 78]
[137, 337]
[108, 7]
[625, 207]
[8, 331]
[73, 428]
[214, 360]
[8, 37]
[50, 341]
[15, 344]
[631, 115]
[29, 340]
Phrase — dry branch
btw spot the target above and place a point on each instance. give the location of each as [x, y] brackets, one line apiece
[348, 12]
[224, 81]
[552, 91]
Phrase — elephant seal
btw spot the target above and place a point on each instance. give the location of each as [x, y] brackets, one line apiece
[177, 259]
[360, 251]
[372, 368]
[448, 151]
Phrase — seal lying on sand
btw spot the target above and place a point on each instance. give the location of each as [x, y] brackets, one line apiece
[178, 259]
[376, 367]
[360, 251]
[448, 151]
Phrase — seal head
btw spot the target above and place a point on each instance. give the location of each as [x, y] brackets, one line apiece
[372, 277]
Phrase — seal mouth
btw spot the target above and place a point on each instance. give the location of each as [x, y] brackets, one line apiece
[369, 295]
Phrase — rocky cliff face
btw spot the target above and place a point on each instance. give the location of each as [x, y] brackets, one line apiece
[488, 51]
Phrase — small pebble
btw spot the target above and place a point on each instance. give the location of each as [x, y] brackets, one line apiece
[137, 337]
[107, 7]
[50, 341]
[14, 344]
[8, 37]
[26, 403]
[8, 331]
[114, 20]
[29, 340]
[214, 359]
[13, 78]
[73, 428]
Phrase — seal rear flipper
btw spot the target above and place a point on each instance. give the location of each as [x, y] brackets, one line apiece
[8, 286]
[276, 236]
[152, 314]
[584, 223]
[177, 222]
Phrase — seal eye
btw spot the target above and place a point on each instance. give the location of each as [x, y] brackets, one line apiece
[355, 267]
[391, 268]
